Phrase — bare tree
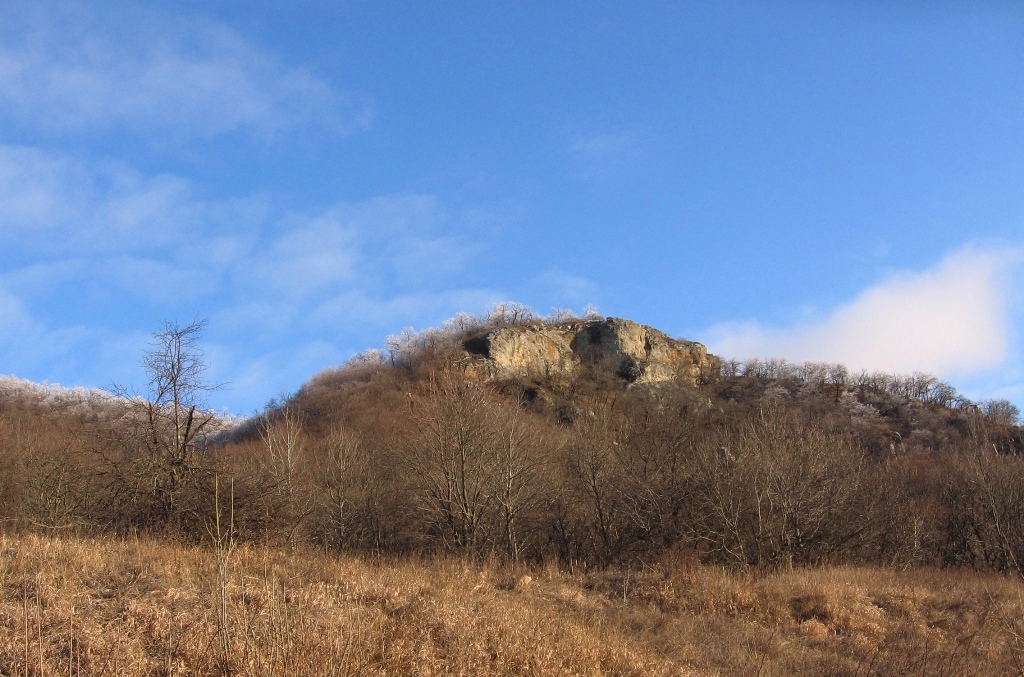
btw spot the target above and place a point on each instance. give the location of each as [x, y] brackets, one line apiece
[595, 473]
[283, 440]
[342, 466]
[777, 490]
[521, 463]
[164, 434]
[453, 458]
[984, 496]
[1001, 412]
[285, 472]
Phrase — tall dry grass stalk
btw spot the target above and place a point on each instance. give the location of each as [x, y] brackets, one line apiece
[224, 547]
[75, 606]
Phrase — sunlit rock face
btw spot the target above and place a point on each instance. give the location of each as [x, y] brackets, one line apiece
[636, 352]
[642, 354]
[528, 351]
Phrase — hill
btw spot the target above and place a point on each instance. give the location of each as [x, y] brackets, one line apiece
[514, 495]
[592, 441]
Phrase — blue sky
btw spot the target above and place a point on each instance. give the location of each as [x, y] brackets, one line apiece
[836, 181]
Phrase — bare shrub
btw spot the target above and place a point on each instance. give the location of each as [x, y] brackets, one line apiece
[453, 461]
[776, 490]
[984, 497]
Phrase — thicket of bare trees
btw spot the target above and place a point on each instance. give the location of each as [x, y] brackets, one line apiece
[770, 464]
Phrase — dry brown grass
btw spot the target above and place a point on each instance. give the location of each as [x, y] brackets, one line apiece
[74, 606]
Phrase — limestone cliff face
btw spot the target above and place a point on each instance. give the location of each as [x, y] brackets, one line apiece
[636, 352]
[529, 351]
[642, 354]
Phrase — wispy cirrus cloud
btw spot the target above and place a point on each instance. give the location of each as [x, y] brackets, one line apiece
[125, 68]
[54, 208]
[14, 318]
[565, 288]
[381, 311]
[952, 319]
[260, 273]
[52, 203]
[601, 146]
[605, 154]
[387, 242]
[29, 343]
[92, 245]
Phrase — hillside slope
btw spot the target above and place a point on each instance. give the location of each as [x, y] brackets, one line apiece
[452, 441]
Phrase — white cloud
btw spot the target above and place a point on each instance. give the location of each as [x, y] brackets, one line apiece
[563, 287]
[952, 319]
[605, 155]
[153, 280]
[413, 235]
[51, 204]
[384, 243]
[114, 224]
[601, 146]
[15, 320]
[379, 311]
[124, 68]
[308, 255]
[110, 228]
[27, 342]
[107, 235]
[38, 190]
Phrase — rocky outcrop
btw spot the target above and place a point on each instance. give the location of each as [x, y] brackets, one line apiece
[527, 350]
[636, 352]
[641, 354]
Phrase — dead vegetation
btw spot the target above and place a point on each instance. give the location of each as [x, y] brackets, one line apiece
[401, 516]
[81, 606]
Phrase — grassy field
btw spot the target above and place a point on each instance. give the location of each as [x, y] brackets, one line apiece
[77, 606]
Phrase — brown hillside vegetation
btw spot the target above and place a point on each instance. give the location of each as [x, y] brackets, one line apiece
[610, 501]
[84, 606]
[415, 450]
